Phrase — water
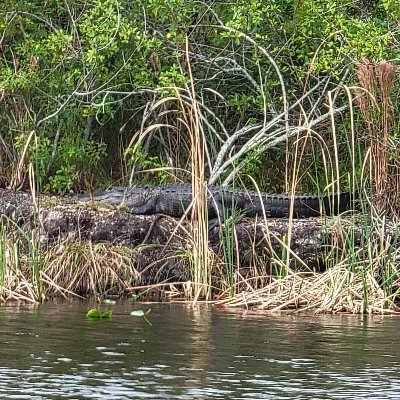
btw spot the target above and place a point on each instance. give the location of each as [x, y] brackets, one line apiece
[54, 352]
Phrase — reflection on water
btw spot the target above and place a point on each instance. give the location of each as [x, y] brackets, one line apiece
[53, 351]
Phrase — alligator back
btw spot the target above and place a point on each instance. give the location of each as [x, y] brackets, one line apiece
[175, 199]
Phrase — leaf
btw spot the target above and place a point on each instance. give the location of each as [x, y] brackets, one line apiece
[94, 313]
[138, 313]
[141, 313]
[106, 315]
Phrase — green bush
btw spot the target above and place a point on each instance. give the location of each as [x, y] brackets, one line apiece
[89, 70]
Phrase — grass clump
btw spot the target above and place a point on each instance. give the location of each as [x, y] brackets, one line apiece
[65, 269]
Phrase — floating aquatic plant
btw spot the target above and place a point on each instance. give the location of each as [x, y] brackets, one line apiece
[142, 314]
[94, 313]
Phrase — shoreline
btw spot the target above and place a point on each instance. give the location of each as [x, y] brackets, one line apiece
[65, 248]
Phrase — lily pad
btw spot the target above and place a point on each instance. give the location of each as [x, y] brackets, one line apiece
[94, 313]
[106, 315]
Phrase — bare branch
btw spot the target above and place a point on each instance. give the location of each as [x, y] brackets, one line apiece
[263, 51]
[220, 167]
[272, 140]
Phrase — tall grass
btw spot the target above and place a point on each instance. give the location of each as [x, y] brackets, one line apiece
[202, 270]
[19, 264]
[362, 269]
[374, 101]
[66, 269]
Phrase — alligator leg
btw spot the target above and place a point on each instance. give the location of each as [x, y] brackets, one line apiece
[150, 207]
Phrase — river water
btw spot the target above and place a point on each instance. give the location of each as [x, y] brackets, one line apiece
[53, 352]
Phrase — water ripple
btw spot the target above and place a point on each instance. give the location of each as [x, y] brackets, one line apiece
[55, 352]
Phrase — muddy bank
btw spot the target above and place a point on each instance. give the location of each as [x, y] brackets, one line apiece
[259, 243]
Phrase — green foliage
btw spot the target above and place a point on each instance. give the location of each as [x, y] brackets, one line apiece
[90, 68]
[147, 162]
[336, 31]
[250, 16]
[53, 60]
[94, 313]
[59, 166]
[171, 77]
[391, 9]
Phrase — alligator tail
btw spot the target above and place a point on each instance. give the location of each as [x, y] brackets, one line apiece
[337, 204]
[307, 206]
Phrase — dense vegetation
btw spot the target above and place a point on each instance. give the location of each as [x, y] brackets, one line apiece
[92, 91]
[284, 95]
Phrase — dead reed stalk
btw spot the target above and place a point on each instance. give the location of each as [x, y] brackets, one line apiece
[376, 107]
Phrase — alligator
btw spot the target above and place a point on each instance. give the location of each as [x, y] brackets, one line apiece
[175, 199]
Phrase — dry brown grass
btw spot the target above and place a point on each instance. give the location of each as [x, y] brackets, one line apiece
[336, 290]
[86, 268]
[377, 81]
[358, 279]
[67, 269]
[361, 280]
